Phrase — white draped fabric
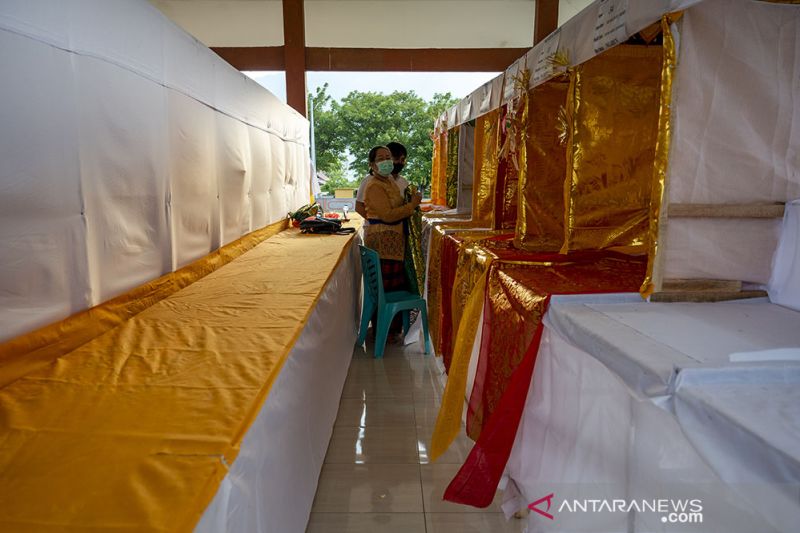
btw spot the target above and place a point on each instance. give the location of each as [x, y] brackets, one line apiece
[128, 150]
[736, 135]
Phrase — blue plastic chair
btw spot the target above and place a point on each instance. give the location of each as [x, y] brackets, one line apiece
[387, 304]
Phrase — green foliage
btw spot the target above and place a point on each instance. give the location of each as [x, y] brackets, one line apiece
[338, 182]
[345, 131]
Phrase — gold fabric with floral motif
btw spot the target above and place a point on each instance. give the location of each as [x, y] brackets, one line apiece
[487, 146]
[451, 172]
[540, 216]
[614, 109]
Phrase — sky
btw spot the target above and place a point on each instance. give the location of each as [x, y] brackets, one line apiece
[425, 84]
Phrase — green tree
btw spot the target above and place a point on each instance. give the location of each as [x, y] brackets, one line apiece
[338, 182]
[330, 153]
[346, 130]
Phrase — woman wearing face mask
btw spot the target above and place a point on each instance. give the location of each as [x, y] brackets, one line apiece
[399, 154]
[385, 212]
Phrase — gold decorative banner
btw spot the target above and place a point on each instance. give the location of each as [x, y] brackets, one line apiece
[487, 147]
[438, 185]
[662, 152]
[513, 154]
[614, 103]
[540, 214]
[451, 168]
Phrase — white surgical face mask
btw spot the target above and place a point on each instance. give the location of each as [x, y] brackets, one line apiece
[385, 167]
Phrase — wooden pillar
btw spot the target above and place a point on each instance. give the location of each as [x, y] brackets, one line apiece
[294, 53]
[545, 19]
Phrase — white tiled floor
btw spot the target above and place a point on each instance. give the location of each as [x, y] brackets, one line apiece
[377, 476]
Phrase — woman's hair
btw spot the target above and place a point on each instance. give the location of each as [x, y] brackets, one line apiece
[374, 153]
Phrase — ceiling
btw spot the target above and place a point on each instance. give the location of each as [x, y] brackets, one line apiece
[362, 24]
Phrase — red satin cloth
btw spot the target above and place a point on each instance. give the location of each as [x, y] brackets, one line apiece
[516, 300]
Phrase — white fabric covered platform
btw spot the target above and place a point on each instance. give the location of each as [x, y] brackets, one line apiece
[633, 400]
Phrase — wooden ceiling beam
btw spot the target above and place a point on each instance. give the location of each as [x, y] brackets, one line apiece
[253, 57]
[545, 19]
[294, 53]
[377, 59]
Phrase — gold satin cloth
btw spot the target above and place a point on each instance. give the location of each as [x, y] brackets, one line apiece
[663, 142]
[540, 217]
[512, 162]
[487, 146]
[438, 182]
[613, 108]
[135, 429]
[38, 348]
[451, 166]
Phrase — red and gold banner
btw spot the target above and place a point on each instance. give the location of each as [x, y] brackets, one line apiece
[439, 228]
[517, 296]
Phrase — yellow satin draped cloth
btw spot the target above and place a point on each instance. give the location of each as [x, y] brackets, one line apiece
[31, 351]
[448, 421]
[663, 142]
[614, 109]
[135, 429]
[487, 147]
[540, 216]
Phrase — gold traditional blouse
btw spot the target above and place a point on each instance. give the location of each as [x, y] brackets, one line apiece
[385, 203]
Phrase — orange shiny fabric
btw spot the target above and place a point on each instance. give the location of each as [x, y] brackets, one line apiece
[135, 429]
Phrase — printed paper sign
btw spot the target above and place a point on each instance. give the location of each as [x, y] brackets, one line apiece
[544, 67]
[610, 28]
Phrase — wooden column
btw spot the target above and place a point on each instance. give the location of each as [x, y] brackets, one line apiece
[545, 19]
[294, 53]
